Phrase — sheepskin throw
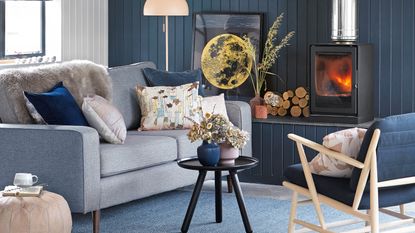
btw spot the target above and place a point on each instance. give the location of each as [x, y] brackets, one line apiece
[82, 78]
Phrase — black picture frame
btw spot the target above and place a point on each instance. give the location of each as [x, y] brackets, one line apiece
[207, 25]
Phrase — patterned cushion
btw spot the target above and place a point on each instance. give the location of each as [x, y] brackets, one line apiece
[105, 118]
[165, 107]
[346, 141]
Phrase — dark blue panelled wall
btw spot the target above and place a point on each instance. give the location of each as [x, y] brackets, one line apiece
[387, 24]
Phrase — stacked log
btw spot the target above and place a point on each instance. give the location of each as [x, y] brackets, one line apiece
[293, 102]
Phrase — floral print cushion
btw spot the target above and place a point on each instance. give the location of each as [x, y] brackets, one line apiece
[164, 107]
[347, 142]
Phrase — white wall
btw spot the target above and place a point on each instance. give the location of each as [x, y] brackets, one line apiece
[84, 30]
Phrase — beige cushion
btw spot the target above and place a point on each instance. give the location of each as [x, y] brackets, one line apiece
[347, 142]
[165, 107]
[48, 213]
[105, 118]
[215, 104]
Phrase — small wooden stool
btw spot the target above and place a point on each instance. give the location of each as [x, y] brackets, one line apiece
[48, 213]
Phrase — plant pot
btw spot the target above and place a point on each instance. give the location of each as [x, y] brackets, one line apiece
[228, 154]
[208, 154]
[257, 100]
[261, 112]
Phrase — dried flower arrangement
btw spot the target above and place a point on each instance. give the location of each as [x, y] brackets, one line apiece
[215, 128]
[269, 57]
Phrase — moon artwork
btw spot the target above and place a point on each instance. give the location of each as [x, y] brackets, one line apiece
[225, 62]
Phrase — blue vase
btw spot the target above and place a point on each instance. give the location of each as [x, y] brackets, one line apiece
[208, 154]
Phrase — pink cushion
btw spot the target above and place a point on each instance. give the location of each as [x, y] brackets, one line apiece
[347, 142]
[48, 213]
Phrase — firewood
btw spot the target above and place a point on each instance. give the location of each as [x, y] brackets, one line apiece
[288, 94]
[303, 103]
[295, 100]
[274, 111]
[306, 111]
[307, 97]
[269, 108]
[286, 104]
[295, 111]
[282, 111]
[300, 92]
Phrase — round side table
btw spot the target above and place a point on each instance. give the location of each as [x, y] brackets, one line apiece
[48, 213]
[241, 163]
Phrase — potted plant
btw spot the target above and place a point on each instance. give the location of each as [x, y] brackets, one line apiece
[260, 71]
[212, 131]
[215, 130]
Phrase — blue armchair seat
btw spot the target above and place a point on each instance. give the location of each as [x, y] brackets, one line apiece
[339, 189]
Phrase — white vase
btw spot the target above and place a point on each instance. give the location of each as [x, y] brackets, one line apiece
[228, 154]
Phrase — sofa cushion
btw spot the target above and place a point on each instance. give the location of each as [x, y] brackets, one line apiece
[339, 189]
[185, 148]
[164, 78]
[124, 81]
[137, 152]
[57, 106]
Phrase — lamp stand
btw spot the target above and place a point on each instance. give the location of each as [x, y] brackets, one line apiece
[166, 30]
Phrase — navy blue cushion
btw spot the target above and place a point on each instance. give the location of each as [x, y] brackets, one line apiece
[57, 106]
[163, 78]
[339, 189]
[395, 151]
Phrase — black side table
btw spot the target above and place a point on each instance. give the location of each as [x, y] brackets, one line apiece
[241, 163]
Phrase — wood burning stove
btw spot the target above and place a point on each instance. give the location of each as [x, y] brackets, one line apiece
[341, 83]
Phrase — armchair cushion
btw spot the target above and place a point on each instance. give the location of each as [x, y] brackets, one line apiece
[395, 151]
[339, 189]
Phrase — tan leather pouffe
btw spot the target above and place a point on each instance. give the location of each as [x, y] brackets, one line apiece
[48, 213]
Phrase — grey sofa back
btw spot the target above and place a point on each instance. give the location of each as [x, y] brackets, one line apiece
[124, 80]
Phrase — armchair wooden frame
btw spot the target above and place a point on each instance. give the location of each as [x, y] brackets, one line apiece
[370, 217]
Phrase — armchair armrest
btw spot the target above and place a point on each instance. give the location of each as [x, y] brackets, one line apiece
[239, 114]
[67, 158]
[320, 148]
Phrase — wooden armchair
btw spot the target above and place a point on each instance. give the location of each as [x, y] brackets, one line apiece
[389, 160]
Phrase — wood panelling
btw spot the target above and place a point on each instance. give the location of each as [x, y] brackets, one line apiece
[84, 28]
[388, 24]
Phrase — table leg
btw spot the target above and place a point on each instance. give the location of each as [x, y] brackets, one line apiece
[240, 199]
[193, 200]
[218, 196]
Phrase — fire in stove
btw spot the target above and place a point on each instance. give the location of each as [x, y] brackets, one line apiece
[333, 75]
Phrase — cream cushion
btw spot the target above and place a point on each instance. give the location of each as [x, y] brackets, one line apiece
[48, 213]
[347, 142]
[215, 105]
[105, 118]
[164, 107]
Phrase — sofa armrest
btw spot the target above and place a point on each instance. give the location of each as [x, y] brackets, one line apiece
[240, 115]
[67, 158]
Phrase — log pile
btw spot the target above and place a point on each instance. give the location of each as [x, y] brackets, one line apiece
[291, 102]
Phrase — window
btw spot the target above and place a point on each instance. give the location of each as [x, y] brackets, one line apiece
[22, 29]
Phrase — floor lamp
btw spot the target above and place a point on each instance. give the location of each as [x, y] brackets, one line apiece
[166, 8]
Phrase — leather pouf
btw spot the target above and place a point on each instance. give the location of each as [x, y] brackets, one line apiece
[48, 213]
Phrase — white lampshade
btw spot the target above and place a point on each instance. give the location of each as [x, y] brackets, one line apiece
[166, 8]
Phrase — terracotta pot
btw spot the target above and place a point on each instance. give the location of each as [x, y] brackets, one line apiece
[228, 154]
[261, 112]
[257, 100]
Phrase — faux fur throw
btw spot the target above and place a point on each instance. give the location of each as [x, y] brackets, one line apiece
[82, 78]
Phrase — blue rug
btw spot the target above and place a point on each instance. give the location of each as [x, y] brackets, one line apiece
[165, 213]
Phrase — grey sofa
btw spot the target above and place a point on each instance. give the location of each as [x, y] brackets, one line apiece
[93, 175]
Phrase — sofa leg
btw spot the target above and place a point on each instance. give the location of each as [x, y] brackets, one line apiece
[229, 181]
[96, 218]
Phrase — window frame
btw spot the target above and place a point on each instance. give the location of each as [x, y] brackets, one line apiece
[3, 33]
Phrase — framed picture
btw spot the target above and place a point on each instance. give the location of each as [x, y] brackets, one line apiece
[208, 25]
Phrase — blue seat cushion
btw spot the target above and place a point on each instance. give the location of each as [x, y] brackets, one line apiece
[339, 189]
[164, 78]
[57, 106]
